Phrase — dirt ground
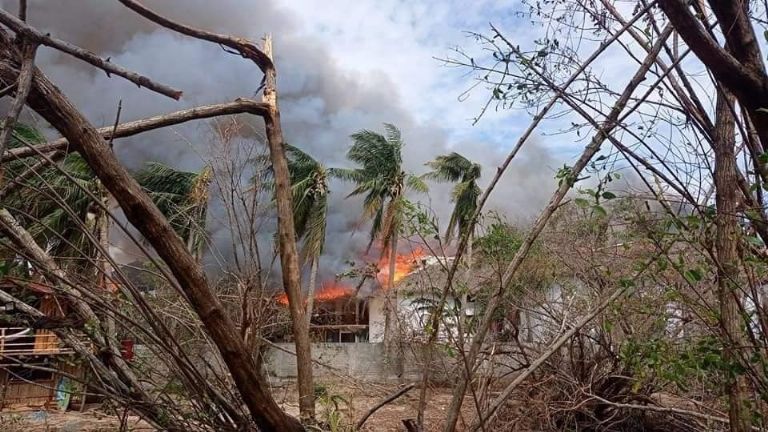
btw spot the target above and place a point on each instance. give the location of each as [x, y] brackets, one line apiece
[351, 402]
[361, 397]
[90, 420]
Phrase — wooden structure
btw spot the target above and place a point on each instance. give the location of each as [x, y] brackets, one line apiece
[34, 364]
[342, 319]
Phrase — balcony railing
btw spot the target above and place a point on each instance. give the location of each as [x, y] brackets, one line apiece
[15, 341]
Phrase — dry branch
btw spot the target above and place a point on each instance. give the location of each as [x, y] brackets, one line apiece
[388, 399]
[23, 83]
[245, 47]
[34, 35]
[128, 129]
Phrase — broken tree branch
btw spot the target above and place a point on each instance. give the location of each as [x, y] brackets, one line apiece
[24, 82]
[243, 46]
[239, 106]
[33, 35]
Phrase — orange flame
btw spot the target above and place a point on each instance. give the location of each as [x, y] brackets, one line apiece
[328, 291]
[405, 264]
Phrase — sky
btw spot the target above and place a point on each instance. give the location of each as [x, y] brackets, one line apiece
[405, 42]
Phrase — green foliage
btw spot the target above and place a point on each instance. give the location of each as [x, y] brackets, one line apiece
[54, 204]
[456, 168]
[660, 360]
[59, 204]
[381, 179]
[418, 221]
[500, 242]
[332, 410]
[309, 187]
[181, 196]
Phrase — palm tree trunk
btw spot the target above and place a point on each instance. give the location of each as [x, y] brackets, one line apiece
[311, 289]
[392, 342]
[726, 248]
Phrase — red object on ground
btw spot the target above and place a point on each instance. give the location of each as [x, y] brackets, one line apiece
[126, 349]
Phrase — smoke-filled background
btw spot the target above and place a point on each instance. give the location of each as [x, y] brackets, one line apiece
[323, 99]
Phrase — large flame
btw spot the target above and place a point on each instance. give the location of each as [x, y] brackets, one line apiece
[405, 264]
[328, 291]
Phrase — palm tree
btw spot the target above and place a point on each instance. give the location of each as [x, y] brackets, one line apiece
[56, 203]
[309, 185]
[456, 168]
[383, 181]
[182, 197]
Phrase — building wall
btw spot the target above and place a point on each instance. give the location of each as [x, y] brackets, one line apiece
[365, 361]
[376, 319]
[368, 362]
[413, 313]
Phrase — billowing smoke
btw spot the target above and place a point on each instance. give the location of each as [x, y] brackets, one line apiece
[321, 103]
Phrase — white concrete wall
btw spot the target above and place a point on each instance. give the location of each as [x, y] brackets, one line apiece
[413, 312]
[376, 319]
[365, 361]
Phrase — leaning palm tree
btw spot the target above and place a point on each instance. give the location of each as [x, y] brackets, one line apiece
[383, 182]
[56, 203]
[458, 169]
[309, 184]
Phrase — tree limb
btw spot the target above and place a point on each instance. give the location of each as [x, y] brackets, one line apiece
[724, 66]
[127, 129]
[243, 46]
[24, 82]
[34, 35]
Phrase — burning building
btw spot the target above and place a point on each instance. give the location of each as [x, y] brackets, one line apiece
[338, 314]
[342, 313]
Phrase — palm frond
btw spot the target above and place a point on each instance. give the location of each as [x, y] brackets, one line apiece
[416, 184]
[454, 167]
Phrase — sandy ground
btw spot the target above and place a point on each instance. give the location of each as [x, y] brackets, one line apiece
[352, 400]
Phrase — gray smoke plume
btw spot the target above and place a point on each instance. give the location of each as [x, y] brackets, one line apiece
[321, 103]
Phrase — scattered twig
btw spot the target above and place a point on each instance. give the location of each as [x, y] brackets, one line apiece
[389, 399]
[7, 90]
[668, 410]
[114, 126]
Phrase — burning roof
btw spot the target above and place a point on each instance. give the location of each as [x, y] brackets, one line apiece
[328, 291]
[405, 264]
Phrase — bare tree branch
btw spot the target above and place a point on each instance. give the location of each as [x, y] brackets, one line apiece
[245, 47]
[34, 35]
[24, 82]
[239, 106]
